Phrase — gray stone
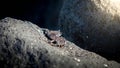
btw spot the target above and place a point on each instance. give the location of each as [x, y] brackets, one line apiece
[24, 45]
[92, 24]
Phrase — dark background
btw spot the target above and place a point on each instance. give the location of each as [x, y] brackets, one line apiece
[43, 13]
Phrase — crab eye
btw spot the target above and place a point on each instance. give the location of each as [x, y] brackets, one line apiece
[54, 42]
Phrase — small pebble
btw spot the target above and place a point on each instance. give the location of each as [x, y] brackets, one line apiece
[71, 48]
[62, 53]
[32, 43]
[105, 65]
[67, 52]
[35, 40]
[78, 60]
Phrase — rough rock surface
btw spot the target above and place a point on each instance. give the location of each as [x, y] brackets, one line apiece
[93, 25]
[24, 45]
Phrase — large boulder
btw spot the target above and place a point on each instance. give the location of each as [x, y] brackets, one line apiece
[24, 45]
[92, 24]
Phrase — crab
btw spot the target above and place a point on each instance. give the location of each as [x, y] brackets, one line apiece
[55, 38]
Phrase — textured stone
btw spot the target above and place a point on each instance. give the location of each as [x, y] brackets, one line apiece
[92, 24]
[23, 45]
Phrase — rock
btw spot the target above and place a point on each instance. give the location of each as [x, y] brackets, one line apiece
[93, 25]
[24, 45]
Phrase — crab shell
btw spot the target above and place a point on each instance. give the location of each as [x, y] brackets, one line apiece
[60, 41]
[53, 34]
